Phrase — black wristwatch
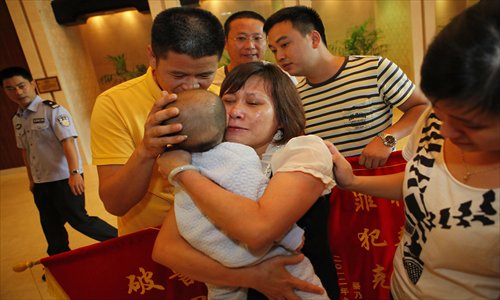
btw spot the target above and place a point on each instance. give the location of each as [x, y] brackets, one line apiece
[74, 172]
[388, 139]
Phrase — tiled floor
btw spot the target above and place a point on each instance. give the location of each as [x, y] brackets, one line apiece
[21, 236]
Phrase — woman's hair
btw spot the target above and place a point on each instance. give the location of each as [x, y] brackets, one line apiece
[463, 62]
[286, 100]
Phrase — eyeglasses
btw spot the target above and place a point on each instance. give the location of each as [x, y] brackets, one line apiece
[242, 39]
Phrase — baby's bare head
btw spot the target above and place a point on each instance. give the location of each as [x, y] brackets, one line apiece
[203, 120]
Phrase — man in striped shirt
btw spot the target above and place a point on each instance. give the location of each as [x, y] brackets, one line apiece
[347, 100]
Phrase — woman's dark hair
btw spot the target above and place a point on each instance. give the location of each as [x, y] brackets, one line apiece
[463, 62]
[286, 100]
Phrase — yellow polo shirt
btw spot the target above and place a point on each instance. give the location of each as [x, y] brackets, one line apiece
[117, 128]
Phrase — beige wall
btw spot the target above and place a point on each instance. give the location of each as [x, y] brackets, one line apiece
[54, 50]
[76, 54]
[393, 19]
[447, 9]
[124, 32]
[340, 16]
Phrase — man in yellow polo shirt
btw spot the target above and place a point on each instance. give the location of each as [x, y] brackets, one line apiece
[126, 126]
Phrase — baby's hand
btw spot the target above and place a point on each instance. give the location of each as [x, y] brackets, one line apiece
[170, 160]
[299, 248]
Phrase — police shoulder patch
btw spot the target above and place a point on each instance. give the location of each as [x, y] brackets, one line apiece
[63, 120]
[51, 103]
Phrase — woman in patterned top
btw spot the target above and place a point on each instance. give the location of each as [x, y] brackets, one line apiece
[451, 243]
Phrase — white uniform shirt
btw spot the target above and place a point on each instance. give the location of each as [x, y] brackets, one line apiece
[40, 130]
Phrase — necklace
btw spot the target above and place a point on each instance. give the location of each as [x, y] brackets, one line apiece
[469, 172]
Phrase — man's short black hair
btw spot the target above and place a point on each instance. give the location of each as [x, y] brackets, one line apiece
[244, 14]
[187, 30]
[15, 71]
[303, 18]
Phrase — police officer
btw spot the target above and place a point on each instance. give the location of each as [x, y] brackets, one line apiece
[46, 136]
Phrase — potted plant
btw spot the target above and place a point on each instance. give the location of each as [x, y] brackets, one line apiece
[360, 41]
[121, 72]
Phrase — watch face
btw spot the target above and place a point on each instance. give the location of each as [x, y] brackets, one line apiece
[390, 141]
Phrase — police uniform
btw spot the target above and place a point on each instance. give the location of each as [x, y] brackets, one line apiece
[40, 129]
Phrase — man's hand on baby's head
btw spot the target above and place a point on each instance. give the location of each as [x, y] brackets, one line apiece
[156, 135]
[168, 110]
[168, 113]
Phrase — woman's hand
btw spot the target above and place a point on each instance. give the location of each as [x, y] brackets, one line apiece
[275, 282]
[170, 160]
[342, 169]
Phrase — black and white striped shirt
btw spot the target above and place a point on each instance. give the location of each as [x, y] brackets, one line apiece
[352, 107]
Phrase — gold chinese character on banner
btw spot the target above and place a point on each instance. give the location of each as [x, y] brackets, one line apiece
[183, 278]
[400, 235]
[396, 202]
[356, 286]
[363, 202]
[379, 277]
[342, 280]
[368, 238]
[199, 298]
[344, 292]
[143, 283]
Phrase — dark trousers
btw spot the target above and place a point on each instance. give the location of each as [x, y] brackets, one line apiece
[316, 248]
[58, 205]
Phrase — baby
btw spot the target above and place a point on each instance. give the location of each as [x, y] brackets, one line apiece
[236, 168]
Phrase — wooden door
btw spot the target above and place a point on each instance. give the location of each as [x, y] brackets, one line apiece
[11, 54]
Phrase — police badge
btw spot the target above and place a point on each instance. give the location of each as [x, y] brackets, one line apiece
[63, 120]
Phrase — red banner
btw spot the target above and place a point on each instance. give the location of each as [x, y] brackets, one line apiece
[120, 268]
[364, 233]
